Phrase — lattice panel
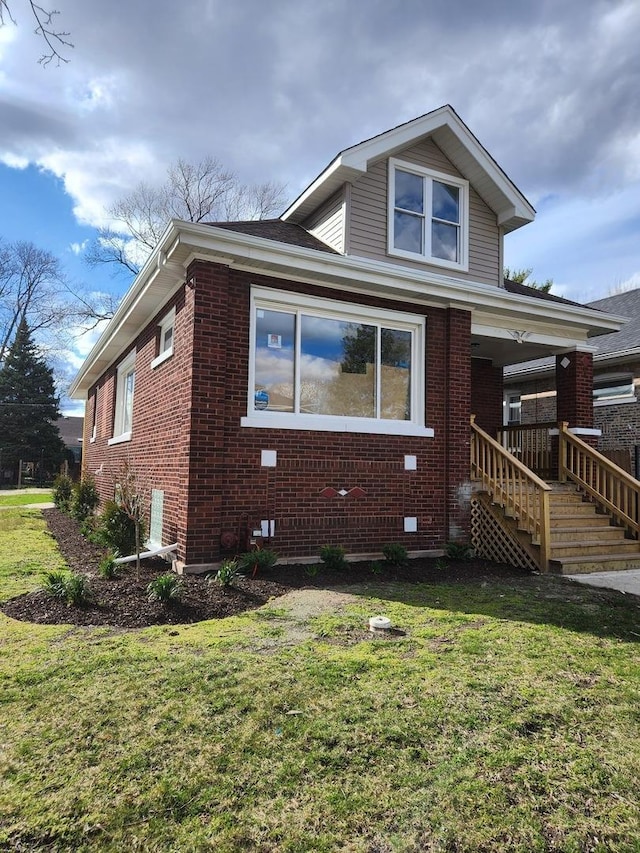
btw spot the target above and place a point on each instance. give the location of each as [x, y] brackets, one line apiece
[494, 542]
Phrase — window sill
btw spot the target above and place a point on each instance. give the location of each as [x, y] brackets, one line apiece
[423, 259]
[326, 424]
[161, 358]
[615, 401]
[92, 440]
[119, 439]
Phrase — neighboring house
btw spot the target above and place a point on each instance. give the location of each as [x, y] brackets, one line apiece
[71, 429]
[530, 388]
[309, 380]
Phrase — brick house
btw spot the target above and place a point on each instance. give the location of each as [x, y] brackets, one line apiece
[310, 379]
[531, 393]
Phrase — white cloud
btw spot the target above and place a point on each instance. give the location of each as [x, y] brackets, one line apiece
[78, 248]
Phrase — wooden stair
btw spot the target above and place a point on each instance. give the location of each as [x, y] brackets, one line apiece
[583, 539]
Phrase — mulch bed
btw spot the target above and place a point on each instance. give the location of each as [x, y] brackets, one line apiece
[123, 602]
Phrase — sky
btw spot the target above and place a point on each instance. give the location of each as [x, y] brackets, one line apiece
[274, 89]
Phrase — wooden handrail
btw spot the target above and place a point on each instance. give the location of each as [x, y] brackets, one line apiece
[531, 444]
[610, 487]
[512, 485]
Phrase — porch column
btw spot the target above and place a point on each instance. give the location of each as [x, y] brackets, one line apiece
[574, 399]
[457, 416]
[574, 383]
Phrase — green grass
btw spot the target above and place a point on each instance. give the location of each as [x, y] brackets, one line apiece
[504, 719]
[24, 498]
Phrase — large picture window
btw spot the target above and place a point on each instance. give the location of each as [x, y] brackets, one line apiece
[428, 215]
[319, 364]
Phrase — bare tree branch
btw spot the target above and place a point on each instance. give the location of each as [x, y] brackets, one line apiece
[196, 192]
[54, 39]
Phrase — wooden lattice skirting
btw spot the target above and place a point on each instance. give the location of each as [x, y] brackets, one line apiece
[493, 539]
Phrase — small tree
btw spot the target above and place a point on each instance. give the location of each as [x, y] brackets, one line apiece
[131, 498]
[521, 276]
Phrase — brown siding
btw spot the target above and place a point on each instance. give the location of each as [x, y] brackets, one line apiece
[368, 219]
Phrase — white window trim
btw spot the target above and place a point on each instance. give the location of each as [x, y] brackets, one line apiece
[124, 368]
[615, 379]
[275, 300]
[167, 322]
[429, 175]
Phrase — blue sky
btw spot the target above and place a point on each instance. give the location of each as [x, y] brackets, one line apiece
[275, 89]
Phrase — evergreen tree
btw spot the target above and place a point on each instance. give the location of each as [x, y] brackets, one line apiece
[28, 410]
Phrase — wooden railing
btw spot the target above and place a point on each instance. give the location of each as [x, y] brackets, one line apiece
[608, 485]
[521, 493]
[531, 444]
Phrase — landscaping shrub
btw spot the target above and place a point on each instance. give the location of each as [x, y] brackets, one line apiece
[227, 573]
[395, 554]
[166, 588]
[62, 492]
[459, 551]
[262, 559]
[118, 530]
[85, 499]
[333, 556]
[70, 587]
[108, 568]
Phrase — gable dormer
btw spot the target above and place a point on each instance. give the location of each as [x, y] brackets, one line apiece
[425, 194]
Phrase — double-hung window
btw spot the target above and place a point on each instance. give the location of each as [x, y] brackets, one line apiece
[123, 415]
[428, 215]
[325, 365]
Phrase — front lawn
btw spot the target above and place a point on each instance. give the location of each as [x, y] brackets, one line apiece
[501, 715]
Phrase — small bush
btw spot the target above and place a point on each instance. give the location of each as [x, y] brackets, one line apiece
[262, 559]
[108, 568]
[165, 588]
[333, 556]
[54, 584]
[62, 492]
[70, 587]
[395, 554]
[227, 573]
[85, 499]
[117, 530]
[376, 567]
[459, 551]
[311, 570]
[441, 564]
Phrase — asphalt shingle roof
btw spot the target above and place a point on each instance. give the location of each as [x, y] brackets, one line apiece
[276, 229]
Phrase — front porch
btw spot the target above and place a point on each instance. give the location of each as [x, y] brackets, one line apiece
[544, 499]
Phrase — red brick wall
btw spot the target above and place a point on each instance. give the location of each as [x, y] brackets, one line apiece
[158, 452]
[486, 395]
[188, 441]
[575, 388]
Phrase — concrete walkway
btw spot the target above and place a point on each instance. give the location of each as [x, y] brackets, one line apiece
[625, 581]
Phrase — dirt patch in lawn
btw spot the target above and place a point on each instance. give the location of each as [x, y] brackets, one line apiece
[123, 602]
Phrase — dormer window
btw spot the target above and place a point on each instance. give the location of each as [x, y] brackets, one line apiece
[428, 215]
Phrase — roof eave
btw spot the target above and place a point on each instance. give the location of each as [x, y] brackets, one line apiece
[453, 136]
[183, 241]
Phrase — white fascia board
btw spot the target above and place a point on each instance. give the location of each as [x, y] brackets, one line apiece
[188, 240]
[118, 333]
[308, 264]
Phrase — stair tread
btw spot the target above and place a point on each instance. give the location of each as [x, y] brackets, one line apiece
[594, 558]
